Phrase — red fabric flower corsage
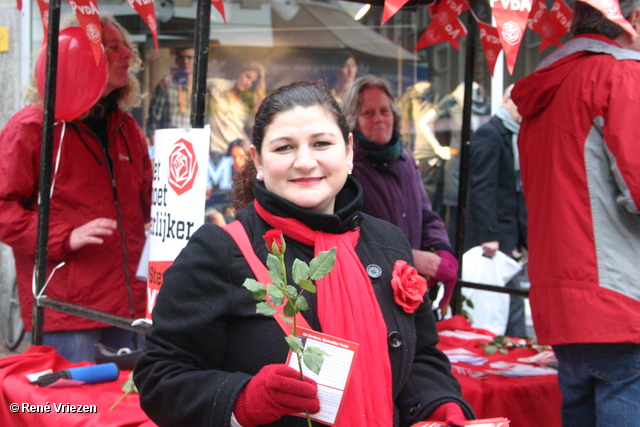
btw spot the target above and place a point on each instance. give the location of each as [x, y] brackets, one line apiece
[409, 287]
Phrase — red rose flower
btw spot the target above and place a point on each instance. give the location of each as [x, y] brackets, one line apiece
[409, 287]
[275, 241]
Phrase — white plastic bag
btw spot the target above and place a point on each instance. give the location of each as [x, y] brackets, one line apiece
[491, 309]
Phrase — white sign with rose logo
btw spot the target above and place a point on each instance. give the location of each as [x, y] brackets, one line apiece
[178, 197]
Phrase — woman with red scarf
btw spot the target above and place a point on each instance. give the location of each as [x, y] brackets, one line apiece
[211, 360]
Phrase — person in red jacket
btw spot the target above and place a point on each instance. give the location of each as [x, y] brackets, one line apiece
[580, 168]
[100, 203]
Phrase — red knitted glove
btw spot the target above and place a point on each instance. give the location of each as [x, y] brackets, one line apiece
[274, 392]
[449, 412]
[448, 274]
[448, 269]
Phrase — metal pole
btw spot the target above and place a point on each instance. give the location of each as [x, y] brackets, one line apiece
[46, 155]
[201, 47]
[90, 313]
[472, 28]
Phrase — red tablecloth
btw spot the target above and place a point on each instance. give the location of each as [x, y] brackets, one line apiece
[526, 401]
[16, 389]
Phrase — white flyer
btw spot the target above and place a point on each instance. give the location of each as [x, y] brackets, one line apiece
[334, 374]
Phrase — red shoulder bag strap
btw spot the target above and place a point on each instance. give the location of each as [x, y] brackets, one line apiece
[239, 234]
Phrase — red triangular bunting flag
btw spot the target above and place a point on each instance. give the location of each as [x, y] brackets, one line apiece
[436, 33]
[147, 11]
[19, 5]
[89, 18]
[43, 5]
[511, 17]
[391, 7]
[445, 25]
[611, 10]
[447, 10]
[490, 43]
[219, 5]
[540, 22]
[561, 15]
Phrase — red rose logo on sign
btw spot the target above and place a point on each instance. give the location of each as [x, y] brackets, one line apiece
[183, 167]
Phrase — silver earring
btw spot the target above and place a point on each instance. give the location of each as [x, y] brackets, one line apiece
[259, 176]
[348, 171]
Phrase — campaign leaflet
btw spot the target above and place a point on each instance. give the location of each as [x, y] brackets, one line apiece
[334, 374]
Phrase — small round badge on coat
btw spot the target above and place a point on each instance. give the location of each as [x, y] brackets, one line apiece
[374, 271]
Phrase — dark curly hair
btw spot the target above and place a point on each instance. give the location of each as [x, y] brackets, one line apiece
[298, 94]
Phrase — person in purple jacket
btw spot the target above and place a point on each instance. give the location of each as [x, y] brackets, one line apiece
[391, 182]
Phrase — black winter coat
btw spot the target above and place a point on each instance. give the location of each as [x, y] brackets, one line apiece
[496, 209]
[207, 341]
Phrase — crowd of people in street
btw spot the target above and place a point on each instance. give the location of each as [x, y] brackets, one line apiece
[554, 174]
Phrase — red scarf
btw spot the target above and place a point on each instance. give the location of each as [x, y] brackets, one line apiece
[348, 308]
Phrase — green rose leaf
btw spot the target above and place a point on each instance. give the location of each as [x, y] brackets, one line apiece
[300, 271]
[275, 269]
[302, 303]
[260, 295]
[292, 291]
[289, 310]
[276, 294]
[490, 349]
[307, 285]
[276, 301]
[321, 265]
[316, 350]
[286, 319]
[256, 288]
[274, 291]
[129, 386]
[265, 308]
[313, 361]
[295, 344]
[253, 285]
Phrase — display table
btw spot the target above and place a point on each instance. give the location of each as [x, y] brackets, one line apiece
[526, 401]
[17, 390]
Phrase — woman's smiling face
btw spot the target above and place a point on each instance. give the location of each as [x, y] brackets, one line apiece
[304, 158]
[118, 57]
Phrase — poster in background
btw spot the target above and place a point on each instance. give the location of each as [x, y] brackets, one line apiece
[178, 197]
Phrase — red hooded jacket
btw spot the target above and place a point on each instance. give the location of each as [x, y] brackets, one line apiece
[579, 146]
[96, 276]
